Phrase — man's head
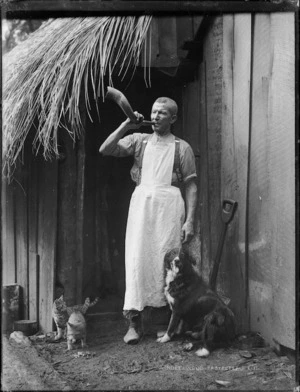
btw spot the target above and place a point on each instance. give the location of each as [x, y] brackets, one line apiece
[164, 114]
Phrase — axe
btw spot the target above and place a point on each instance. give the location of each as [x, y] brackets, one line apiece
[119, 98]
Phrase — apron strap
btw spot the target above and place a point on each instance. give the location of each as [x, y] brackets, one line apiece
[176, 166]
[140, 160]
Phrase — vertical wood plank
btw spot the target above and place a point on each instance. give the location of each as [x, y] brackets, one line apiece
[66, 268]
[282, 176]
[191, 130]
[32, 232]
[21, 194]
[191, 115]
[234, 155]
[47, 235]
[260, 282]
[213, 54]
[260, 265]
[89, 155]
[8, 234]
[80, 196]
[203, 192]
[272, 184]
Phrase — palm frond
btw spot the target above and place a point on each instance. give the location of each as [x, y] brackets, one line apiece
[46, 76]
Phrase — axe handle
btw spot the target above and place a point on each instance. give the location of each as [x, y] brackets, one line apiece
[119, 98]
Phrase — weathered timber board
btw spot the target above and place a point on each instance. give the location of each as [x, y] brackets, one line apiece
[260, 236]
[191, 131]
[234, 155]
[21, 194]
[272, 214]
[32, 201]
[281, 165]
[54, 8]
[213, 53]
[8, 234]
[66, 239]
[80, 212]
[88, 154]
[47, 235]
[203, 191]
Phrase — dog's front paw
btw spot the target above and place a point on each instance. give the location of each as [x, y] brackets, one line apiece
[164, 339]
[202, 352]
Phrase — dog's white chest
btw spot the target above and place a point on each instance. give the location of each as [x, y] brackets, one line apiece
[169, 278]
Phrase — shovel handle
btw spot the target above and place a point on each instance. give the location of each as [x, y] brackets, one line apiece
[228, 210]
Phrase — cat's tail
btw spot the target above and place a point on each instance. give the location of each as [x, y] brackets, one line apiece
[94, 302]
[88, 303]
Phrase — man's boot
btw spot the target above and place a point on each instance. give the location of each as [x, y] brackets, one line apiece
[135, 330]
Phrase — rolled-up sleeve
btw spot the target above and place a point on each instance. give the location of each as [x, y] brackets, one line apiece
[125, 147]
[187, 162]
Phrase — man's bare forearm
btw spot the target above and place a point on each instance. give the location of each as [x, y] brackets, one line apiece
[111, 142]
[109, 145]
[190, 200]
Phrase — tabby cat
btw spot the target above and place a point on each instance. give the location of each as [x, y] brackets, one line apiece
[61, 313]
[76, 329]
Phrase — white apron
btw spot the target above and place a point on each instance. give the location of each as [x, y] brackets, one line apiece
[155, 218]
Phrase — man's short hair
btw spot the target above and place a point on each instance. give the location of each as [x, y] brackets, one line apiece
[172, 105]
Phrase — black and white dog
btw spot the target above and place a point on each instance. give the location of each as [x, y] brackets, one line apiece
[195, 305]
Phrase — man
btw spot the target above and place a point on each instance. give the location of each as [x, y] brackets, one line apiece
[157, 220]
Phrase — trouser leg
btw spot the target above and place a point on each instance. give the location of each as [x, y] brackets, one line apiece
[135, 327]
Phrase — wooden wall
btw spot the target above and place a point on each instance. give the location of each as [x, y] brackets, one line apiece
[272, 179]
[235, 154]
[29, 223]
[46, 213]
[244, 141]
[238, 115]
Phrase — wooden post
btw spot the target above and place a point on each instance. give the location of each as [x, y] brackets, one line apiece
[235, 148]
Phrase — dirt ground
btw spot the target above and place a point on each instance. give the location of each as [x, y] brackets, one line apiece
[108, 363]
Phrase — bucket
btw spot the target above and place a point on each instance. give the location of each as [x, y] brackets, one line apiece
[28, 327]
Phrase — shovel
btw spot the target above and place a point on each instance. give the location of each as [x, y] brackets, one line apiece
[120, 99]
[228, 210]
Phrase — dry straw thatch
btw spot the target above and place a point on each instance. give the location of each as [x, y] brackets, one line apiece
[46, 76]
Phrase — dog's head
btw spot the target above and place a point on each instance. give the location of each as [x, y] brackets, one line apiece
[178, 261]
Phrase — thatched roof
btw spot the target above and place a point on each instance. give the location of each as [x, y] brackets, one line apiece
[46, 76]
